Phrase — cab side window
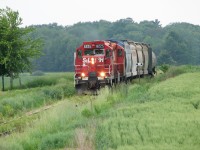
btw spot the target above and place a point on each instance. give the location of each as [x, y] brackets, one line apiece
[107, 53]
[79, 53]
[119, 52]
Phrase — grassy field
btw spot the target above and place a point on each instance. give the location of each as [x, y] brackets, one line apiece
[166, 116]
[158, 113]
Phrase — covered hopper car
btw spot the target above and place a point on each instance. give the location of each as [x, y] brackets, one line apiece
[104, 62]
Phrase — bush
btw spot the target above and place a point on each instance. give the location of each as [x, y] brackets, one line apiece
[86, 113]
[164, 68]
[8, 110]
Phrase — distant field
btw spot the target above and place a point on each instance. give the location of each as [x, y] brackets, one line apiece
[27, 79]
[158, 113]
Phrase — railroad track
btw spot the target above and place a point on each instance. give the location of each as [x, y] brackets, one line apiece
[27, 114]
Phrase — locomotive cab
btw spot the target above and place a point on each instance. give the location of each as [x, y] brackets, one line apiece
[92, 65]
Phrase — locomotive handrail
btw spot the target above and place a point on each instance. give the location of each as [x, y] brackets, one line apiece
[103, 65]
[76, 69]
[117, 63]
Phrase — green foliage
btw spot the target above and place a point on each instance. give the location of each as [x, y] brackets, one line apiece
[177, 50]
[164, 68]
[8, 110]
[16, 46]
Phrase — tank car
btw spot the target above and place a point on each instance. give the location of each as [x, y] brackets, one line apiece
[105, 62]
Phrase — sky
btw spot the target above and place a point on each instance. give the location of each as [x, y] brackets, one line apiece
[69, 12]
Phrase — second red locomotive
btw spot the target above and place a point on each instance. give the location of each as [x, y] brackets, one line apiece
[100, 63]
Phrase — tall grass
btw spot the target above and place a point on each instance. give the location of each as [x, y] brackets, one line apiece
[150, 114]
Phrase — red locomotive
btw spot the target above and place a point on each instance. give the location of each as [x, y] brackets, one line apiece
[100, 63]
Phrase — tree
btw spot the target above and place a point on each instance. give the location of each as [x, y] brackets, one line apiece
[16, 46]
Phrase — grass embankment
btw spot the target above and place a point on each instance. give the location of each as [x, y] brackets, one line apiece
[159, 113]
[166, 116]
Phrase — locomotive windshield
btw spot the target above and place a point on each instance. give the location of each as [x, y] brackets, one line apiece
[94, 52]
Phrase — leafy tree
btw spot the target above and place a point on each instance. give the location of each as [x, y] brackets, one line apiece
[16, 46]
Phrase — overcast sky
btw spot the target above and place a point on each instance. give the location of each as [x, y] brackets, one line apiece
[69, 12]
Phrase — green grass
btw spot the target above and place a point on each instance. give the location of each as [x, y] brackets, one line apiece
[159, 113]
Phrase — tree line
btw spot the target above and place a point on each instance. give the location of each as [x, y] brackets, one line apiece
[175, 44]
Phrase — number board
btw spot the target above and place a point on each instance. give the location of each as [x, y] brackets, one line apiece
[87, 46]
[99, 46]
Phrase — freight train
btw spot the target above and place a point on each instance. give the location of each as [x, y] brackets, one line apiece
[107, 62]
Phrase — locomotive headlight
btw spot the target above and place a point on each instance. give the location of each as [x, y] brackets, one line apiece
[92, 61]
[102, 74]
[82, 74]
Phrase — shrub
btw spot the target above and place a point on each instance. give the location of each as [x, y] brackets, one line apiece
[164, 67]
[86, 113]
[8, 110]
